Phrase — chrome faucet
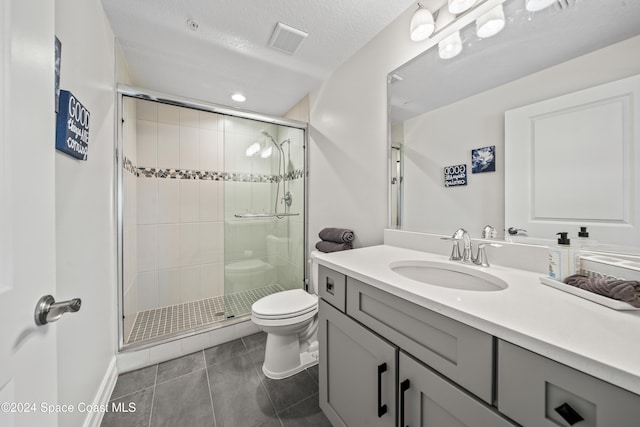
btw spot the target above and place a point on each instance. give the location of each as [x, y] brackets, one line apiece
[467, 252]
[488, 232]
[481, 257]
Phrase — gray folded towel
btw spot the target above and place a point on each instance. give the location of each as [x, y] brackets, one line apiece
[338, 235]
[622, 290]
[324, 246]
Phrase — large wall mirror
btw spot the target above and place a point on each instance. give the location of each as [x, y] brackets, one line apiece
[442, 109]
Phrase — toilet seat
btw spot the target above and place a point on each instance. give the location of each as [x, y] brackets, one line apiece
[285, 305]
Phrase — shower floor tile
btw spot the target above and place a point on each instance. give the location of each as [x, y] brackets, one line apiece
[181, 317]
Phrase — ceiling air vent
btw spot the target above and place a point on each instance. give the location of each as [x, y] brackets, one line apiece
[286, 38]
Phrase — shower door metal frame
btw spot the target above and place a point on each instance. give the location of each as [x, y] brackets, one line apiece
[150, 95]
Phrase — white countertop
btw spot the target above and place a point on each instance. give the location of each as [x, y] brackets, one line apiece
[589, 337]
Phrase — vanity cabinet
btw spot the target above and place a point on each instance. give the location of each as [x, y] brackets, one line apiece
[365, 375]
[531, 387]
[385, 361]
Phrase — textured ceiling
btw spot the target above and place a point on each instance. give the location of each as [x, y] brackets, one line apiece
[229, 53]
[530, 42]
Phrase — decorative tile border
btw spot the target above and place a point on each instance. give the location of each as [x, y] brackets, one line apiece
[208, 175]
[128, 166]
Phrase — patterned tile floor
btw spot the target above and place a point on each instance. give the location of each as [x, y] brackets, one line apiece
[222, 386]
[180, 317]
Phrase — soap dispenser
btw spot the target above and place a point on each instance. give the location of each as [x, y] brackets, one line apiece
[563, 239]
[559, 257]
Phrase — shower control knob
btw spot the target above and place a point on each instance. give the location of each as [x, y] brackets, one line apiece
[288, 198]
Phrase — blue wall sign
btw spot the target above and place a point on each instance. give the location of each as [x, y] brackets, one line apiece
[455, 175]
[72, 126]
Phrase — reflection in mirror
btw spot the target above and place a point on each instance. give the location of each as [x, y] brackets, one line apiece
[396, 171]
[444, 109]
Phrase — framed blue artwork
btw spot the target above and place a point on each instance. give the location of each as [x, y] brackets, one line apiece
[483, 159]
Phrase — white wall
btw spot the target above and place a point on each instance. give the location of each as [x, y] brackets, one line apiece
[85, 211]
[348, 137]
[437, 139]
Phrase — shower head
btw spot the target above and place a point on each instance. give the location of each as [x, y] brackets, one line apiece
[268, 135]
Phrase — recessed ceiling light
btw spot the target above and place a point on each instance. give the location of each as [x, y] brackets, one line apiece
[238, 97]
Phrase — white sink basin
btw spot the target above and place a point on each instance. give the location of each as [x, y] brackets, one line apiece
[454, 276]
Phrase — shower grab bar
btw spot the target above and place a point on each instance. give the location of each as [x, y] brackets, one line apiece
[264, 215]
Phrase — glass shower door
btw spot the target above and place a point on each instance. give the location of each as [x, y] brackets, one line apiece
[264, 211]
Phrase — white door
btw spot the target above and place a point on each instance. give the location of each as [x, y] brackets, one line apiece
[27, 223]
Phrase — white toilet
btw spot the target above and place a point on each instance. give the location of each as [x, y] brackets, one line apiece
[290, 320]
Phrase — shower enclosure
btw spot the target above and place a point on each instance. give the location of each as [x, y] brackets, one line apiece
[211, 214]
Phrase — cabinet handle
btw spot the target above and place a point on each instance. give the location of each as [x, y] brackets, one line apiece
[404, 386]
[382, 409]
[569, 414]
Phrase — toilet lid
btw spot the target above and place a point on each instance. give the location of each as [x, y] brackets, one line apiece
[285, 304]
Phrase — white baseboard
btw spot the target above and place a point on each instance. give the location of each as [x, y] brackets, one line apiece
[104, 393]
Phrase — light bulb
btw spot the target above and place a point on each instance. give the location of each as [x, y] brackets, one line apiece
[458, 6]
[450, 46]
[536, 5]
[252, 149]
[266, 152]
[491, 23]
[422, 25]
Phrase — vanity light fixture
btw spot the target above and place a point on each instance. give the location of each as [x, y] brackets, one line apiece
[238, 97]
[266, 152]
[536, 5]
[458, 6]
[422, 25]
[450, 46]
[491, 23]
[252, 150]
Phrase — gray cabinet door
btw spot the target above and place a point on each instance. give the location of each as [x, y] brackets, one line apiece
[357, 372]
[428, 400]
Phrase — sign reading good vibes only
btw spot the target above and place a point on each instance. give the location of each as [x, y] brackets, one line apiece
[455, 175]
[72, 126]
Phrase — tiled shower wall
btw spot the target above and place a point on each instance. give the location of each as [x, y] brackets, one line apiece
[186, 176]
[180, 252]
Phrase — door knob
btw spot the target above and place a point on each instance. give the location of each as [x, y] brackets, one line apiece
[48, 310]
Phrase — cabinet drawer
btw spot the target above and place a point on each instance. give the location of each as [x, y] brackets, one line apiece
[331, 287]
[426, 399]
[457, 351]
[531, 387]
